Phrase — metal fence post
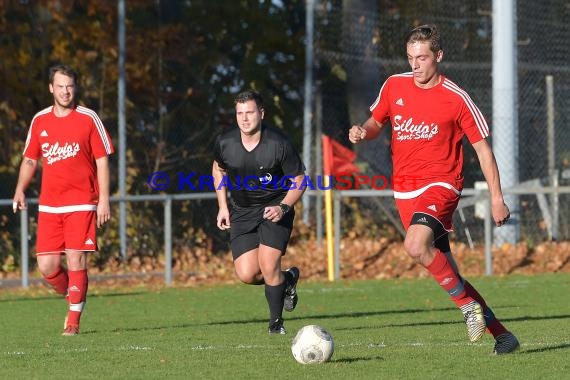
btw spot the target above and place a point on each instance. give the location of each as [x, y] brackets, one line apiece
[168, 241]
[24, 248]
[488, 239]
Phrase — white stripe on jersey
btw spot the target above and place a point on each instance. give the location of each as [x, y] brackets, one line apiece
[418, 192]
[66, 209]
[98, 124]
[29, 136]
[409, 74]
[475, 112]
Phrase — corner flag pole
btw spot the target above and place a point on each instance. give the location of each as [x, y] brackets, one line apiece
[327, 170]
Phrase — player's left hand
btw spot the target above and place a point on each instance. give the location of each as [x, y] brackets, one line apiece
[501, 214]
[273, 213]
[103, 213]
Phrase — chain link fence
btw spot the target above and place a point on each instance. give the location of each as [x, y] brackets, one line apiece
[360, 43]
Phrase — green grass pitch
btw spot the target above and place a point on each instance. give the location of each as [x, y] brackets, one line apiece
[396, 329]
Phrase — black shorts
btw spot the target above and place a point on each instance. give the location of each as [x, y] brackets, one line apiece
[249, 229]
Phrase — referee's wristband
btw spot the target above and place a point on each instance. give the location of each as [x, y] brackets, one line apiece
[285, 208]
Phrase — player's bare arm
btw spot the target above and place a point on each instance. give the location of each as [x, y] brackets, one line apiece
[27, 170]
[369, 130]
[275, 213]
[223, 218]
[490, 170]
[103, 180]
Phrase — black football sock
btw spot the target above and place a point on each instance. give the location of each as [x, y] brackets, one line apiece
[275, 296]
[288, 277]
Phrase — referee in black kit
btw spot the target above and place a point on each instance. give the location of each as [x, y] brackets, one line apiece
[263, 172]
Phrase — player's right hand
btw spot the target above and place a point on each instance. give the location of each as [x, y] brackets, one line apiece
[356, 134]
[19, 203]
[223, 220]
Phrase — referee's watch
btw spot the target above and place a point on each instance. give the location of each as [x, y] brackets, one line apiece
[285, 208]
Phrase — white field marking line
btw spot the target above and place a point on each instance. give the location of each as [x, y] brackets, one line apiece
[22, 353]
[373, 345]
[238, 347]
[201, 348]
[451, 344]
[135, 348]
[333, 290]
[370, 345]
[81, 349]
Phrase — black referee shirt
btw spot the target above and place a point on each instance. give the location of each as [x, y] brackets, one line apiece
[262, 176]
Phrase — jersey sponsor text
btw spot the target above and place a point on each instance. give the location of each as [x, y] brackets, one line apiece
[55, 152]
[407, 130]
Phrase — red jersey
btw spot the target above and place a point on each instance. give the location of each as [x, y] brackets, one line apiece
[68, 147]
[428, 126]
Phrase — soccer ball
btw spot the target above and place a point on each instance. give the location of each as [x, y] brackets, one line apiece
[312, 345]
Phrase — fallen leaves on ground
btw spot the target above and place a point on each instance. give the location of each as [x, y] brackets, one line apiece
[360, 258]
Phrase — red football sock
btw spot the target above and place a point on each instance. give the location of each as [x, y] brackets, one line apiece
[442, 271]
[77, 294]
[58, 280]
[494, 326]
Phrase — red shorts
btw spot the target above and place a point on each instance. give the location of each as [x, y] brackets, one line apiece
[436, 201]
[68, 231]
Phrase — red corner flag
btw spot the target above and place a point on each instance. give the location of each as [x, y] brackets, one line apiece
[337, 159]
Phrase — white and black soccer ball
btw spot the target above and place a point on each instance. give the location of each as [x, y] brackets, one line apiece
[312, 345]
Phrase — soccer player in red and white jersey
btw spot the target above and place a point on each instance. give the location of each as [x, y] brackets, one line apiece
[73, 146]
[430, 115]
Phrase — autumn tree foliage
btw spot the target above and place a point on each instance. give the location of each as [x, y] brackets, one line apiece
[184, 63]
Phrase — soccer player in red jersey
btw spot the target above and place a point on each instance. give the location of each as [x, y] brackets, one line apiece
[73, 146]
[430, 115]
